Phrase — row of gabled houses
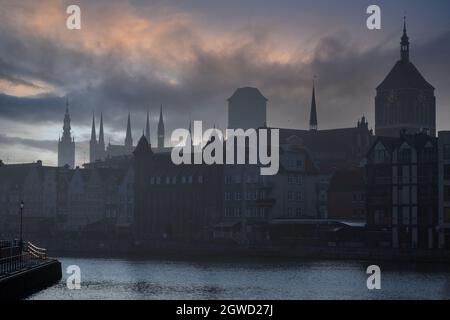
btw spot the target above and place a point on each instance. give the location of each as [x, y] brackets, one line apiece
[399, 195]
[59, 199]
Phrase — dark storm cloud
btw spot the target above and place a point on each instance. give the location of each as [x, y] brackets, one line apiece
[47, 145]
[108, 83]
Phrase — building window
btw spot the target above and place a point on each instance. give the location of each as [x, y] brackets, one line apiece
[183, 179]
[447, 215]
[227, 196]
[298, 212]
[404, 155]
[174, 180]
[290, 196]
[158, 180]
[298, 196]
[237, 196]
[228, 180]
[381, 156]
[290, 212]
[446, 152]
[294, 179]
[152, 180]
[190, 179]
[200, 179]
[447, 193]
[428, 155]
[167, 180]
[447, 172]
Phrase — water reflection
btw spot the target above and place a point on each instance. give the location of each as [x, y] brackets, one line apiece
[125, 279]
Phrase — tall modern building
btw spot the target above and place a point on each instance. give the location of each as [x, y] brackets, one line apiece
[405, 100]
[247, 109]
[66, 144]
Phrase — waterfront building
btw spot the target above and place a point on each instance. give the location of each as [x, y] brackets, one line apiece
[347, 195]
[444, 189]
[402, 191]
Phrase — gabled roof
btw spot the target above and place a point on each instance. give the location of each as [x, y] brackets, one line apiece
[404, 75]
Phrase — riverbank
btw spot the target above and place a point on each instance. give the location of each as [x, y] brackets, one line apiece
[25, 282]
[273, 253]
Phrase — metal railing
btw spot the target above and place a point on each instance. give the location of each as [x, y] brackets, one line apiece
[39, 253]
[30, 256]
[19, 262]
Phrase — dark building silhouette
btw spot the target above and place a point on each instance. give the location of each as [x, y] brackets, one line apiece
[98, 151]
[402, 195]
[174, 203]
[444, 189]
[66, 144]
[405, 100]
[247, 108]
[333, 148]
[347, 194]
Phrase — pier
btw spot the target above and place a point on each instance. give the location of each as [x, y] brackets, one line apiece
[25, 269]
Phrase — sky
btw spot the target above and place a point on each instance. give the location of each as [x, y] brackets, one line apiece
[131, 56]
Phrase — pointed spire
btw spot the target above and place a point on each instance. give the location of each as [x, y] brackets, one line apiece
[93, 133]
[313, 115]
[128, 137]
[67, 105]
[101, 137]
[147, 128]
[404, 44]
[161, 131]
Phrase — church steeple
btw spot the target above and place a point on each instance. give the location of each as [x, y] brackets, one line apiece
[147, 128]
[66, 126]
[161, 131]
[66, 143]
[93, 133]
[404, 44]
[128, 137]
[101, 136]
[313, 115]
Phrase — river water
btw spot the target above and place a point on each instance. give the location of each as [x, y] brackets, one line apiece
[161, 279]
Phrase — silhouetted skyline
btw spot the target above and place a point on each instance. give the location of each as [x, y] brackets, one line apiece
[132, 56]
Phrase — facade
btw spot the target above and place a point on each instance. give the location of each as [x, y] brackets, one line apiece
[444, 189]
[347, 195]
[402, 196]
[36, 186]
[174, 203]
[66, 144]
[251, 201]
[405, 100]
[59, 199]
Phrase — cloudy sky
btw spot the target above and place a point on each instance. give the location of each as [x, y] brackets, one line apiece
[190, 55]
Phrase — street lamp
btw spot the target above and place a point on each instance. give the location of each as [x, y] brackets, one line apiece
[21, 222]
